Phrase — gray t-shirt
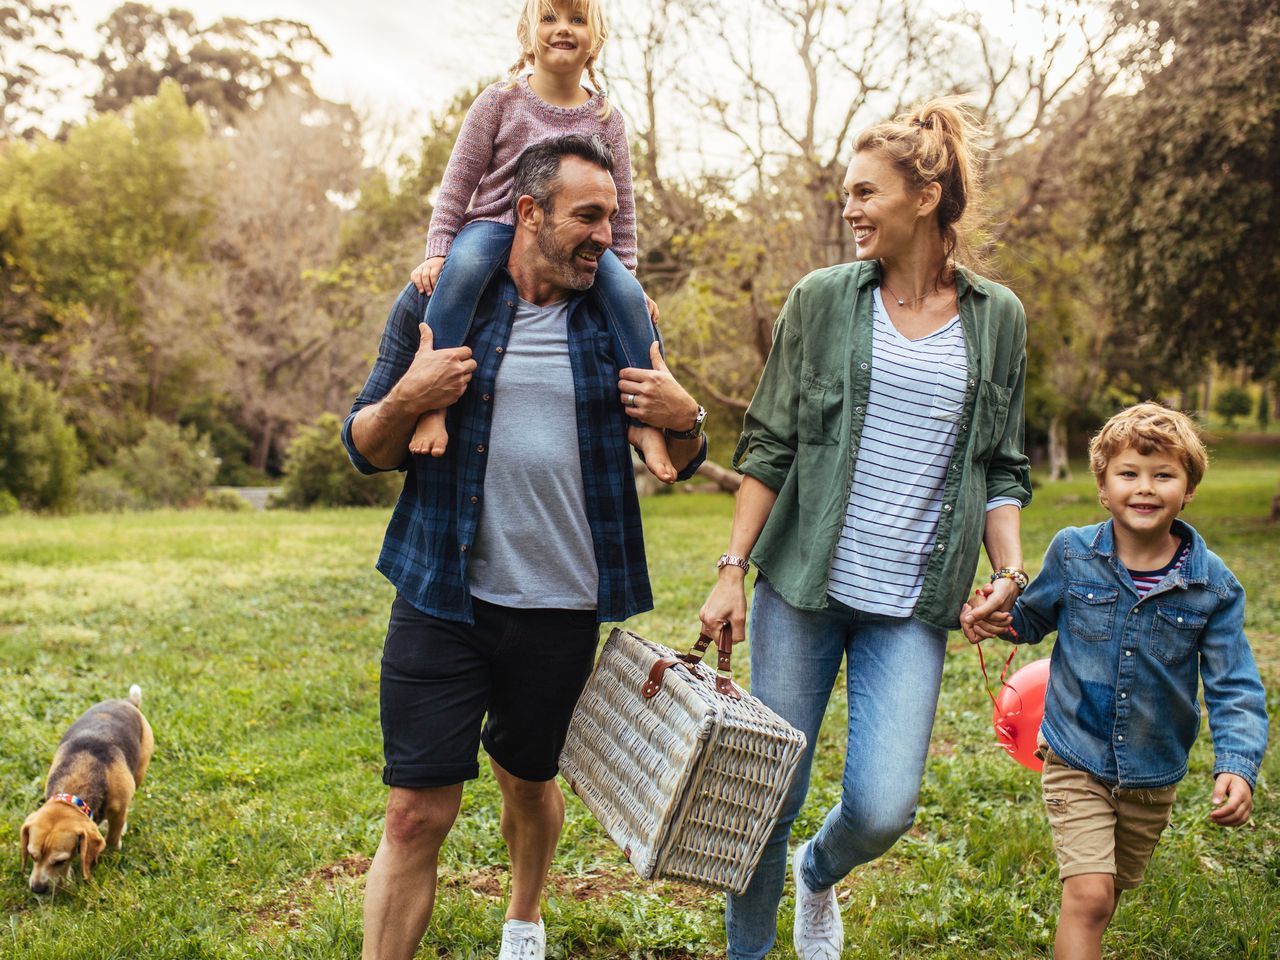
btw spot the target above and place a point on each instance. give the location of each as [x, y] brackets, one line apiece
[533, 547]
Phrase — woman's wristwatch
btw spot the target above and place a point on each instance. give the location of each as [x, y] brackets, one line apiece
[729, 560]
[693, 432]
[1019, 577]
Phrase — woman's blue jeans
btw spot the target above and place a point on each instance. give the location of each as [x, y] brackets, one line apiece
[481, 248]
[893, 675]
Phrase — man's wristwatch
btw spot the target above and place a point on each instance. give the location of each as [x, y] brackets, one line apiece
[693, 432]
[729, 560]
[1019, 577]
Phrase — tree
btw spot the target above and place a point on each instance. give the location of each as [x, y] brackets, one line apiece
[31, 45]
[227, 66]
[39, 456]
[1232, 402]
[1186, 184]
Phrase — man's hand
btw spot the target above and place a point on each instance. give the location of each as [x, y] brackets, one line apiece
[659, 400]
[426, 274]
[435, 378]
[1232, 800]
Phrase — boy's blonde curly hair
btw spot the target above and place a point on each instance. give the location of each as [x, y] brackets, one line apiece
[1148, 427]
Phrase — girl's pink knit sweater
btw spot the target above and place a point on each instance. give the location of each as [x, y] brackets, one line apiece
[502, 122]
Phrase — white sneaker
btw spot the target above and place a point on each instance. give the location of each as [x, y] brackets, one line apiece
[819, 931]
[522, 940]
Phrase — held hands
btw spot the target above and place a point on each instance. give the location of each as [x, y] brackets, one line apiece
[426, 274]
[659, 400]
[1232, 800]
[986, 614]
[435, 378]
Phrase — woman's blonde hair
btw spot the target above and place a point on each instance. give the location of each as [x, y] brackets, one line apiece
[597, 31]
[937, 143]
[1148, 427]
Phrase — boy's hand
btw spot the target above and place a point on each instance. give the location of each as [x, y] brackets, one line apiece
[1232, 800]
[426, 274]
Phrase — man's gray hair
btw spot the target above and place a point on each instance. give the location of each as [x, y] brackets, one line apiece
[538, 169]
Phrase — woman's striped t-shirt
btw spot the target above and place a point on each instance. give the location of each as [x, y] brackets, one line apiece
[908, 437]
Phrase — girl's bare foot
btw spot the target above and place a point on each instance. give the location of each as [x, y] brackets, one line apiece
[430, 438]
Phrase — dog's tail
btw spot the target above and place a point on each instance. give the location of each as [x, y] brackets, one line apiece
[135, 695]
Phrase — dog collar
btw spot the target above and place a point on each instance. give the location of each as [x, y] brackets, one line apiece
[73, 800]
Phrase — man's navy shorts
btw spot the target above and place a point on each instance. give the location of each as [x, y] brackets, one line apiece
[524, 668]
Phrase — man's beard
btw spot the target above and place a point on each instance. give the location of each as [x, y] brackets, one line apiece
[563, 262]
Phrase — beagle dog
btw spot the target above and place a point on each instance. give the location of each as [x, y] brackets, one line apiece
[99, 763]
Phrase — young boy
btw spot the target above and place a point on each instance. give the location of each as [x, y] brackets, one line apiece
[1143, 611]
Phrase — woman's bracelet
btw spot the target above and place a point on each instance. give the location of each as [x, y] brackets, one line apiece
[1019, 577]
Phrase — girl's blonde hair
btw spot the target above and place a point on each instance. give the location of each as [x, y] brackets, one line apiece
[597, 31]
[937, 143]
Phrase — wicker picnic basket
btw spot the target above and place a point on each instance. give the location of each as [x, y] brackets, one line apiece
[684, 770]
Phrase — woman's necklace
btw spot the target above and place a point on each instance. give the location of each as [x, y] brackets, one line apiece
[912, 301]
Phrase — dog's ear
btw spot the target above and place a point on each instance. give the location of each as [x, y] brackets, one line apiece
[91, 847]
[26, 839]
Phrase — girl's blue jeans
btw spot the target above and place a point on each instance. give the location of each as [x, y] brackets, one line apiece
[481, 248]
[894, 671]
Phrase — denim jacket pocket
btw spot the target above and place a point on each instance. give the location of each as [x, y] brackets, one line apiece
[1091, 610]
[818, 420]
[1175, 631]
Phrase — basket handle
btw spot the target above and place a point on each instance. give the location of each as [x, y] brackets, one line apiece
[724, 678]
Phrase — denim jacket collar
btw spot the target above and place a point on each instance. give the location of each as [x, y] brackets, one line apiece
[1194, 569]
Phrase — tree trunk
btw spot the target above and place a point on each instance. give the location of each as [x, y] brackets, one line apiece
[726, 480]
[262, 449]
[1059, 467]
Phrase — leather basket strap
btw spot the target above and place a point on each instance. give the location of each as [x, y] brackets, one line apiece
[724, 679]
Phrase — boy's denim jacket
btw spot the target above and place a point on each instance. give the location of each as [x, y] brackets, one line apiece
[1121, 702]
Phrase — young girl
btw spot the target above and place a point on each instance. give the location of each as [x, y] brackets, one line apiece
[471, 228]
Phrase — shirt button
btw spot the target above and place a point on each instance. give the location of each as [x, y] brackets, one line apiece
[1179, 619]
[1128, 653]
[857, 409]
[1091, 596]
[955, 466]
[1120, 737]
[480, 448]
[485, 398]
[499, 350]
[475, 499]
[863, 366]
[1124, 696]
[511, 303]
[940, 547]
[463, 548]
[973, 382]
[946, 508]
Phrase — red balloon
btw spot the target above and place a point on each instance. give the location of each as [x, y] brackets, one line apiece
[1018, 711]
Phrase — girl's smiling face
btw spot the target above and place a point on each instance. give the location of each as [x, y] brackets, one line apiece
[1144, 492]
[564, 39]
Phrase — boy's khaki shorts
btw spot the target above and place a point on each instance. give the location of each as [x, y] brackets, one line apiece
[1098, 828]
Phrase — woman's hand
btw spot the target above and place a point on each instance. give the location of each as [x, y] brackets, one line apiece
[426, 274]
[727, 604]
[986, 615]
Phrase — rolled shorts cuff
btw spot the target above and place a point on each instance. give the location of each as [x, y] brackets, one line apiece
[422, 775]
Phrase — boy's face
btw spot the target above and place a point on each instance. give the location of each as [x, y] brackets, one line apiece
[1144, 492]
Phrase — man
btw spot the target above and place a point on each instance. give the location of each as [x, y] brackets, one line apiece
[510, 549]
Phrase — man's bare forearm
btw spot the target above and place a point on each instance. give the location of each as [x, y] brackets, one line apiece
[381, 431]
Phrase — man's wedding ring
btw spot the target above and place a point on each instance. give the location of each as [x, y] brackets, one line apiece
[631, 399]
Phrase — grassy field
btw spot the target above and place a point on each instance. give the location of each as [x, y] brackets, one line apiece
[256, 640]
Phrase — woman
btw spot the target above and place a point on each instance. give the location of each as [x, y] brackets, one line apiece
[883, 445]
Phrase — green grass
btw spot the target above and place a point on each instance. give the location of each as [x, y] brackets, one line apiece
[256, 640]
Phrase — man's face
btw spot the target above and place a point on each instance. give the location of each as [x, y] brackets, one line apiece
[578, 229]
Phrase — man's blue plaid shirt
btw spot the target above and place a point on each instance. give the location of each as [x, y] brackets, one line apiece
[425, 551]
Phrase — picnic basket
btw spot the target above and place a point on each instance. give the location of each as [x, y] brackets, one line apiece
[684, 770]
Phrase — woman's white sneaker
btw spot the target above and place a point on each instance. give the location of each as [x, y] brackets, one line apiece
[818, 932]
[522, 940]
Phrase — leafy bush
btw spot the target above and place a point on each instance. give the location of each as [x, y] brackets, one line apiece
[40, 457]
[8, 503]
[227, 500]
[169, 466]
[1231, 403]
[104, 491]
[317, 473]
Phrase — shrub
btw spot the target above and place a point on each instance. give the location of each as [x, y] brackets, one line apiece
[104, 491]
[227, 500]
[169, 466]
[1231, 403]
[40, 458]
[317, 473]
[8, 503]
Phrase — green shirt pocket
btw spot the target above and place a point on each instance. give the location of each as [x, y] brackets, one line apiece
[990, 415]
[818, 420]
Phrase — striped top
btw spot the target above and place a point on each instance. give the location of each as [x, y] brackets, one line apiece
[1144, 580]
[891, 520]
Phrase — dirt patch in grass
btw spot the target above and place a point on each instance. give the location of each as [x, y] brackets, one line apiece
[293, 903]
[493, 882]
